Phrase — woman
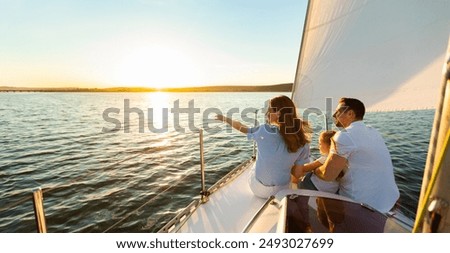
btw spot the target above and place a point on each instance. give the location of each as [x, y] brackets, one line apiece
[282, 143]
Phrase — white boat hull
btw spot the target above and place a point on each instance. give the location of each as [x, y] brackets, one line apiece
[232, 208]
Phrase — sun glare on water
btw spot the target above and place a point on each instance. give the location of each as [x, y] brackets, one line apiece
[158, 102]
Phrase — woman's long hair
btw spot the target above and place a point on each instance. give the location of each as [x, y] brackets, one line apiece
[295, 132]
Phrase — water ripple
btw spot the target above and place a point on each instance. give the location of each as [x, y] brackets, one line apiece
[92, 180]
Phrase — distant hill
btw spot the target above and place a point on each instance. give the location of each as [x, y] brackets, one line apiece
[286, 87]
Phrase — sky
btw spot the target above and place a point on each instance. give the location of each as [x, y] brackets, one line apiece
[149, 43]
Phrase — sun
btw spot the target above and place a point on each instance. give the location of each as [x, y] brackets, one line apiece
[158, 67]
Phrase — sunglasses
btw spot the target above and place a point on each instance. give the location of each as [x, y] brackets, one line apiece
[340, 111]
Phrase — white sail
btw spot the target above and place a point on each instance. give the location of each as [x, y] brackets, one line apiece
[386, 53]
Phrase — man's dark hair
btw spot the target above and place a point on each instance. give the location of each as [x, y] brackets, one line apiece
[354, 105]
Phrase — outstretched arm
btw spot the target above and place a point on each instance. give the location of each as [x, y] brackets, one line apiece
[234, 123]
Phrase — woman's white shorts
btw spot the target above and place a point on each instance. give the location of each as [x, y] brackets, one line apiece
[261, 190]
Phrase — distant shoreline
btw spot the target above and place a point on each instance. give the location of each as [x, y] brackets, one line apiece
[286, 87]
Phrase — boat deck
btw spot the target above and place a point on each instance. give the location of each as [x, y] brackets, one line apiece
[232, 208]
[228, 210]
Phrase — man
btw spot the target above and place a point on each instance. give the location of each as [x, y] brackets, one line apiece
[360, 152]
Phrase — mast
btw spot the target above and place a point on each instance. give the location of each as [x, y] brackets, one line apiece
[433, 211]
[302, 46]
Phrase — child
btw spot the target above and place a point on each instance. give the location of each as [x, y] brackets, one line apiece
[311, 181]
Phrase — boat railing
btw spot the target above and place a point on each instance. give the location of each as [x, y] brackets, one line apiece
[254, 142]
[38, 195]
[258, 214]
[203, 193]
[181, 218]
[39, 214]
[177, 222]
[230, 176]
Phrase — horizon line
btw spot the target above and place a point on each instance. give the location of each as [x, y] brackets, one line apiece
[282, 87]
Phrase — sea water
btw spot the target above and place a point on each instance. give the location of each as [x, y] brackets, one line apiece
[128, 162]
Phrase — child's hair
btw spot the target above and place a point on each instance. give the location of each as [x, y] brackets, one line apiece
[326, 136]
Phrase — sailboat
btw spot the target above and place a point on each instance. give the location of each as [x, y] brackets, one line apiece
[389, 54]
